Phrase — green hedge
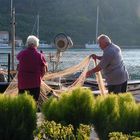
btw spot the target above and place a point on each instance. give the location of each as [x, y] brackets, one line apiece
[72, 108]
[111, 113]
[115, 113]
[17, 117]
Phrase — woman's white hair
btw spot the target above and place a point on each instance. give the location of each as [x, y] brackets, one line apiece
[32, 40]
[105, 37]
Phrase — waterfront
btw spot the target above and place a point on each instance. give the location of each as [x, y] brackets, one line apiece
[74, 56]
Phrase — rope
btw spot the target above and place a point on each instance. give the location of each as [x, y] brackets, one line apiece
[100, 82]
[12, 89]
[68, 71]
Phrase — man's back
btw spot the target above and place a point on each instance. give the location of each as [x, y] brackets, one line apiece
[113, 65]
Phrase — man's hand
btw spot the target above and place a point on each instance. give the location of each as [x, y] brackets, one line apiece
[88, 74]
[93, 56]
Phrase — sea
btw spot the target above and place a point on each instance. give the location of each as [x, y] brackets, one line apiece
[73, 57]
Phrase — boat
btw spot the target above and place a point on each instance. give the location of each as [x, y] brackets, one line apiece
[67, 81]
[44, 45]
[35, 30]
[133, 86]
[91, 46]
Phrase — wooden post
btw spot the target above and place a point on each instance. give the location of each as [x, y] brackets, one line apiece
[8, 67]
[13, 38]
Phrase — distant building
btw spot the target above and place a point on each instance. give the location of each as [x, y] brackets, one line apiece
[5, 42]
[4, 37]
[18, 42]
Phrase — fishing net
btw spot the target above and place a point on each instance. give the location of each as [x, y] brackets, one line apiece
[12, 89]
[101, 84]
[46, 89]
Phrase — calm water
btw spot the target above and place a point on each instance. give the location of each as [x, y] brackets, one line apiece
[74, 56]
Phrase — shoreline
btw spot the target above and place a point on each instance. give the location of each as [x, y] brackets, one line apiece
[78, 47]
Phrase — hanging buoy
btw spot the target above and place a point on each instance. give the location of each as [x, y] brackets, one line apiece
[62, 42]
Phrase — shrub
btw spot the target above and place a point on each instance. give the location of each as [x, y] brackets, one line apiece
[106, 113]
[56, 131]
[116, 113]
[50, 109]
[110, 113]
[73, 108]
[52, 130]
[129, 114]
[136, 133]
[17, 117]
[83, 132]
[121, 136]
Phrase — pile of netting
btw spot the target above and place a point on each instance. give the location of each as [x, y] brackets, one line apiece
[46, 89]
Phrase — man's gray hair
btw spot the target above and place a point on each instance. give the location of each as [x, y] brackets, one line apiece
[32, 40]
[105, 37]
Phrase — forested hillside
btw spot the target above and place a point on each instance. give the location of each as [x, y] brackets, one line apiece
[120, 19]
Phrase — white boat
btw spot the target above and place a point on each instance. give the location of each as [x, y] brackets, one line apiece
[44, 45]
[91, 46]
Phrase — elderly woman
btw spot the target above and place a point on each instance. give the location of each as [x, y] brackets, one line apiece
[32, 66]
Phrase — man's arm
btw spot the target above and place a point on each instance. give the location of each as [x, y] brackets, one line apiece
[90, 72]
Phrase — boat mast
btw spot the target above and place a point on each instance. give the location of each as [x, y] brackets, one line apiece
[13, 34]
[97, 22]
[38, 25]
[11, 7]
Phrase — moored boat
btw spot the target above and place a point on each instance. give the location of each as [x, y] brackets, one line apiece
[91, 46]
[133, 86]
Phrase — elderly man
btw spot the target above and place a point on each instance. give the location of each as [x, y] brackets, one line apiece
[32, 66]
[112, 65]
